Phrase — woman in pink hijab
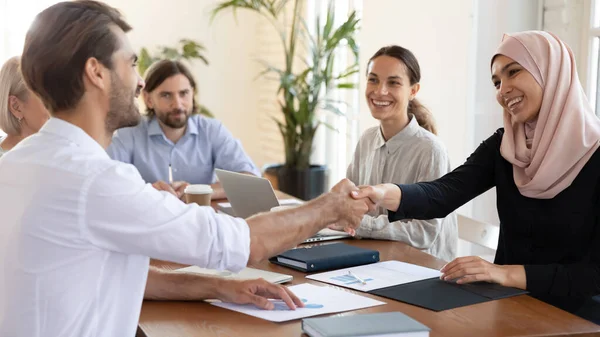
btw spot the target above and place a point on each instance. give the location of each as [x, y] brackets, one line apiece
[545, 166]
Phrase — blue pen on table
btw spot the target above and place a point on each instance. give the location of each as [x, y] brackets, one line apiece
[357, 278]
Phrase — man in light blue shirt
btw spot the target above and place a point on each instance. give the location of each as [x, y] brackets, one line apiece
[173, 135]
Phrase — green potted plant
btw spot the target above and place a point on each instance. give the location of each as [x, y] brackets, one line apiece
[186, 49]
[303, 86]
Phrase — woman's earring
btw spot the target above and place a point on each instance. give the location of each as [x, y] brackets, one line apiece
[20, 119]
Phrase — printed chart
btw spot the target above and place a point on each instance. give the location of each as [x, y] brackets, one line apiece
[376, 275]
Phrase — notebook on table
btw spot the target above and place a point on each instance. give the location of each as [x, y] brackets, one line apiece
[386, 324]
[249, 195]
[325, 257]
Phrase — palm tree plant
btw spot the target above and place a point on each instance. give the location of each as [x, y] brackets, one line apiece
[305, 79]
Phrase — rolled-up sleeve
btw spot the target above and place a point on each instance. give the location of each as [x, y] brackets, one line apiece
[121, 213]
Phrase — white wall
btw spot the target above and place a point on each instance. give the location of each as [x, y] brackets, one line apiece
[493, 19]
[438, 33]
[226, 85]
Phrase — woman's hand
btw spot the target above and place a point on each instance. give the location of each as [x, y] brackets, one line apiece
[475, 269]
[384, 195]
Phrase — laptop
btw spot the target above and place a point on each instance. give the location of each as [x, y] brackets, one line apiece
[249, 195]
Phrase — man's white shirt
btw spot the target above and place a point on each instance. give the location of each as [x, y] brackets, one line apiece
[77, 230]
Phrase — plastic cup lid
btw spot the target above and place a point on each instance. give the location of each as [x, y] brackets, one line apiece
[198, 189]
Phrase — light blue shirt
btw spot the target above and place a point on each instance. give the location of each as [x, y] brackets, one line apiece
[206, 145]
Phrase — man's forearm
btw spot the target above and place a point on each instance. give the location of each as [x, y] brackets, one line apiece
[177, 286]
[218, 192]
[274, 232]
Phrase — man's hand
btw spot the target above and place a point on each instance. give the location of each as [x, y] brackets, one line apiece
[349, 211]
[163, 186]
[179, 188]
[176, 189]
[384, 195]
[257, 292]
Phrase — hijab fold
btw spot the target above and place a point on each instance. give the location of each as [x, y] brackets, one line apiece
[548, 153]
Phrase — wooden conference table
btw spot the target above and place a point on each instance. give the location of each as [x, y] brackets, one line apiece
[516, 316]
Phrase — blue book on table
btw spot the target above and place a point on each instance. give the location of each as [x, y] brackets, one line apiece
[326, 257]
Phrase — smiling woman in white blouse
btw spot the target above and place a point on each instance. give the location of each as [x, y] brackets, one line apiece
[22, 113]
[402, 148]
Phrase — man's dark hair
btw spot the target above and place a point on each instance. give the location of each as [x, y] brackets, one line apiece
[160, 72]
[60, 41]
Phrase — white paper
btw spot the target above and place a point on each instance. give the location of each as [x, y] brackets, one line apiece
[377, 275]
[281, 203]
[317, 301]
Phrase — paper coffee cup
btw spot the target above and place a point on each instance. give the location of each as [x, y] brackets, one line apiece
[199, 194]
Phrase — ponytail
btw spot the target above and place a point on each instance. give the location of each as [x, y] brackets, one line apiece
[423, 115]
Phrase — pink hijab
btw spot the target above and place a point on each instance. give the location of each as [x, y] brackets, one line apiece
[566, 132]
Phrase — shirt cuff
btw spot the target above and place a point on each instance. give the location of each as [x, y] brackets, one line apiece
[539, 278]
[234, 237]
[365, 229]
[408, 193]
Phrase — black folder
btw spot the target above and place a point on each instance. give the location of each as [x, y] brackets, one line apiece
[437, 295]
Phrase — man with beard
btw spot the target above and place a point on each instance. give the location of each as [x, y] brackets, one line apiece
[80, 228]
[174, 135]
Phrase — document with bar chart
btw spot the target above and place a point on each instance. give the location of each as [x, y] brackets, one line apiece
[376, 276]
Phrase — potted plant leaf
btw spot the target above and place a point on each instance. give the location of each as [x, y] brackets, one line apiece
[186, 49]
[304, 83]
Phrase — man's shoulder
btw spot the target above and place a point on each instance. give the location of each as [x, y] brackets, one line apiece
[205, 122]
[46, 150]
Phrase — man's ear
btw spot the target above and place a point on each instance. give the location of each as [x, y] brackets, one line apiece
[96, 73]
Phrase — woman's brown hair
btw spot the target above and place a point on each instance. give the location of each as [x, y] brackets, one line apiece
[421, 113]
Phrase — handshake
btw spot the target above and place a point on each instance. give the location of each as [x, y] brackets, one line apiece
[350, 203]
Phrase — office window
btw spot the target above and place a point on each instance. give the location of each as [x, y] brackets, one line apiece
[593, 82]
[334, 144]
[15, 18]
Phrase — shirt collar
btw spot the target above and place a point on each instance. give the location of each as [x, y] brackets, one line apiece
[74, 134]
[154, 128]
[394, 143]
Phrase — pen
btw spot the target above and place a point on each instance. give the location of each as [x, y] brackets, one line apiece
[170, 175]
[356, 277]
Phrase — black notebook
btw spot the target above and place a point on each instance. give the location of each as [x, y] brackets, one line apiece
[438, 295]
[326, 257]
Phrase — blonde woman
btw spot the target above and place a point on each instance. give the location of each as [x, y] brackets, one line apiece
[22, 113]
